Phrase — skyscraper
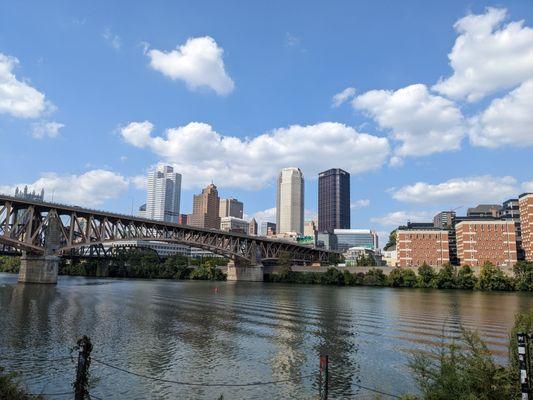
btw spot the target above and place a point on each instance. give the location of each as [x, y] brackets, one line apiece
[205, 210]
[163, 194]
[333, 200]
[231, 208]
[290, 201]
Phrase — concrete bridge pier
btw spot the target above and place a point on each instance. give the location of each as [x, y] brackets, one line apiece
[43, 268]
[38, 269]
[241, 272]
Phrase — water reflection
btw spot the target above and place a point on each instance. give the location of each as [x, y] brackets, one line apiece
[188, 331]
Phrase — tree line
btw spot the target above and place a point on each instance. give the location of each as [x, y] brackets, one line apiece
[448, 277]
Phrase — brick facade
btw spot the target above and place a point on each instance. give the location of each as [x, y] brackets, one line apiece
[486, 241]
[416, 247]
[525, 203]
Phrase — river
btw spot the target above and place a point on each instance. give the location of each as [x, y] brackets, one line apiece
[235, 333]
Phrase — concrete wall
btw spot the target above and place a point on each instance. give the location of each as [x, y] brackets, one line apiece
[38, 269]
[251, 274]
[386, 270]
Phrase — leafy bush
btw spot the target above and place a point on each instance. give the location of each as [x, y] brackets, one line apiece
[493, 278]
[332, 277]
[402, 277]
[208, 273]
[10, 390]
[445, 278]
[375, 277]
[466, 278]
[523, 272]
[463, 370]
[426, 275]
[9, 264]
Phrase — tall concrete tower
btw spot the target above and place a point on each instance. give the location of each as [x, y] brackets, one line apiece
[333, 200]
[290, 201]
[205, 209]
[163, 194]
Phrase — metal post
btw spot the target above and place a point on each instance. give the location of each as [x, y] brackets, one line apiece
[522, 365]
[324, 376]
[82, 371]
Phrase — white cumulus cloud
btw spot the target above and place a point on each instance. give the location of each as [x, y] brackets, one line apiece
[18, 98]
[506, 121]
[202, 154]
[424, 123]
[528, 186]
[198, 63]
[43, 129]
[268, 215]
[459, 191]
[342, 97]
[89, 189]
[488, 56]
[357, 204]
[397, 218]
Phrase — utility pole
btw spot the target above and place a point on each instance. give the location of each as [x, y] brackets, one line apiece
[81, 384]
[324, 376]
[523, 360]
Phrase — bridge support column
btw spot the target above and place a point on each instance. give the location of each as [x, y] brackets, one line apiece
[38, 269]
[247, 273]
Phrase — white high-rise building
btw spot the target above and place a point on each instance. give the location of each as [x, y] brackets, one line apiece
[163, 197]
[290, 201]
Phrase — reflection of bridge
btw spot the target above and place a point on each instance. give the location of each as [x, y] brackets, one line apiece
[46, 231]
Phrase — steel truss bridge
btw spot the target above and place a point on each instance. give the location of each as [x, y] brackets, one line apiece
[43, 228]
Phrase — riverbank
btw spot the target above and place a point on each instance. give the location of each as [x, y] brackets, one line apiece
[149, 266]
[489, 277]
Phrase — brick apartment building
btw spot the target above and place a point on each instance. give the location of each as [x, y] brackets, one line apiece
[525, 204]
[480, 241]
[418, 246]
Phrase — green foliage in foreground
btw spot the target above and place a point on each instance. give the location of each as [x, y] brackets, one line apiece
[147, 265]
[9, 264]
[10, 389]
[449, 277]
[464, 369]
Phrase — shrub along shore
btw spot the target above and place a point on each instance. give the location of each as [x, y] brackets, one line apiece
[448, 277]
[146, 265]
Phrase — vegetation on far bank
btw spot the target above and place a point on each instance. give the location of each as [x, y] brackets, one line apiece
[147, 265]
[448, 277]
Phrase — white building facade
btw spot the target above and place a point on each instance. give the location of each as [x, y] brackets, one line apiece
[163, 194]
[290, 201]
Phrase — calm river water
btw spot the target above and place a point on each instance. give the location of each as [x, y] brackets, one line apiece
[245, 332]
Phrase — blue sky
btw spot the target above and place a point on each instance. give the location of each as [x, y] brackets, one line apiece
[437, 112]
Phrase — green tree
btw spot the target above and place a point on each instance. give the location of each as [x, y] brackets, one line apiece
[466, 278]
[9, 264]
[493, 278]
[426, 275]
[523, 272]
[375, 277]
[445, 278]
[208, 272]
[401, 277]
[332, 277]
[392, 239]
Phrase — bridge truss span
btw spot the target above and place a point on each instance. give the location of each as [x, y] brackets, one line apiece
[43, 228]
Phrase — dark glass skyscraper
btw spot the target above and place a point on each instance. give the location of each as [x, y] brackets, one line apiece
[333, 200]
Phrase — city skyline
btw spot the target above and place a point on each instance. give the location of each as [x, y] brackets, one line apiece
[211, 130]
